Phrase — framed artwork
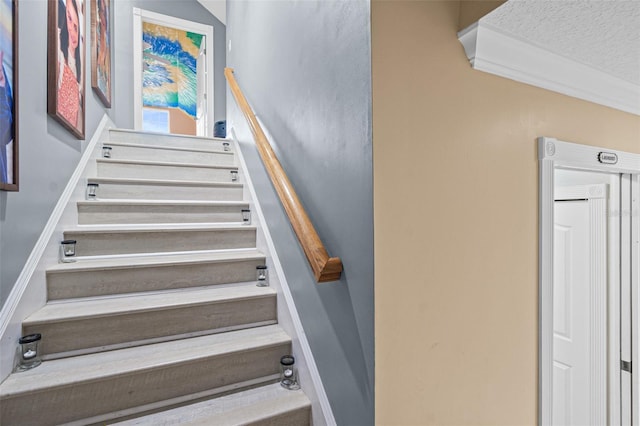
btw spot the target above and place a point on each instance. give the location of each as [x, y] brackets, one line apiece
[66, 64]
[101, 50]
[9, 95]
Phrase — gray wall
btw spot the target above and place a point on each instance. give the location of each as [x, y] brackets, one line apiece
[305, 67]
[190, 10]
[48, 153]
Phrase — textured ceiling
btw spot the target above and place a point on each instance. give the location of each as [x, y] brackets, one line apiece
[604, 34]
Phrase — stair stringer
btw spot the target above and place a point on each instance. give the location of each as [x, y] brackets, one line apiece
[30, 292]
[288, 317]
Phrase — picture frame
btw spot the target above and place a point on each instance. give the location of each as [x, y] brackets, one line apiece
[67, 64]
[101, 50]
[9, 165]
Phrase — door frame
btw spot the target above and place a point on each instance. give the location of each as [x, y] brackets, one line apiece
[553, 154]
[140, 16]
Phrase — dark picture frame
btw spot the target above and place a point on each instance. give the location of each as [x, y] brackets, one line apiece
[101, 50]
[67, 64]
[9, 167]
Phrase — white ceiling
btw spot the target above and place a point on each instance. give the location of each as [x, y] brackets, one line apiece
[603, 34]
[218, 8]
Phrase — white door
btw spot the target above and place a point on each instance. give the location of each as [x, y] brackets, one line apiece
[614, 284]
[581, 310]
[571, 314]
[201, 102]
[629, 267]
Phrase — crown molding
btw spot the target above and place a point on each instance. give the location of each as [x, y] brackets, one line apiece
[492, 51]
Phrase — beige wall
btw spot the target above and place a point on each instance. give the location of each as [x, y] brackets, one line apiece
[455, 206]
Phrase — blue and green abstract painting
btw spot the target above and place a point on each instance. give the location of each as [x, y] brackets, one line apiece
[169, 68]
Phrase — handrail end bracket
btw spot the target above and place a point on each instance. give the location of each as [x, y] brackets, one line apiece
[331, 271]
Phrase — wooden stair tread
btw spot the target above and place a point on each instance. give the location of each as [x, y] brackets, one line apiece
[172, 182]
[65, 310]
[164, 163]
[172, 203]
[158, 259]
[67, 372]
[152, 227]
[167, 148]
[146, 133]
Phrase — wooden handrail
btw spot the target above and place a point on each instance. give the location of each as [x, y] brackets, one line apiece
[325, 268]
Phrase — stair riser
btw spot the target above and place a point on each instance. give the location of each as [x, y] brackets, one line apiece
[97, 244]
[66, 285]
[66, 404]
[100, 214]
[110, 191]
[119, 152]
[149, 171]
[269, 404]
[130, 328]
[257, 413]
[172, 141]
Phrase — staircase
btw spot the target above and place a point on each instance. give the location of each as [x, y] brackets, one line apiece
[159, 320]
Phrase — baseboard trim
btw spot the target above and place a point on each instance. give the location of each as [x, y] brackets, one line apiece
[11, 305]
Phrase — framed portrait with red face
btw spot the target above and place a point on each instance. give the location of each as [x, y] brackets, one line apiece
[66, 64]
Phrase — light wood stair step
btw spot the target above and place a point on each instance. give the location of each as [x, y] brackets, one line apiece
[88, 386]
[142, 169]
[159, 211]
[101, 277]
[163, 189]
[164, 139]
[135, 151]
[96, 241]
[270, 405]
[93, 324]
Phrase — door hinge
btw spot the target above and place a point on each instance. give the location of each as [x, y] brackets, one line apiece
[625, 366]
